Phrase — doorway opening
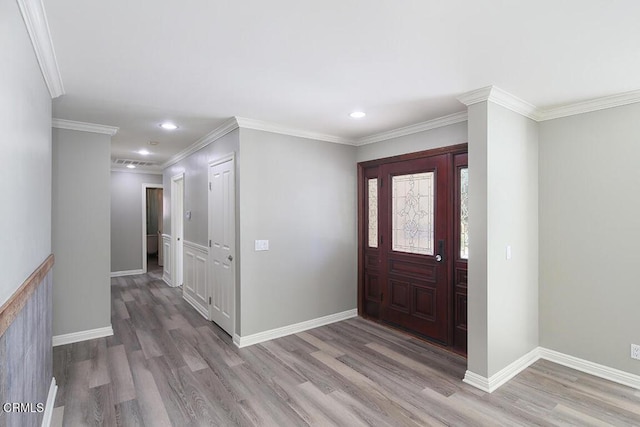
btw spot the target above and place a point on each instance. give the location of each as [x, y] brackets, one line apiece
[412, 244]
[151, 227]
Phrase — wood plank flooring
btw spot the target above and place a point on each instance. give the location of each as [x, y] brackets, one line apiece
[167, 366]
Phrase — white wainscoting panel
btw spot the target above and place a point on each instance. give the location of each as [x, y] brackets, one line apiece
[166, 251]
[195, 290]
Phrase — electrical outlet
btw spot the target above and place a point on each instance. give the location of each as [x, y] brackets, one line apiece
[635, 351]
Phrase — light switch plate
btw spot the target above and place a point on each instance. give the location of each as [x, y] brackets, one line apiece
[262, 245]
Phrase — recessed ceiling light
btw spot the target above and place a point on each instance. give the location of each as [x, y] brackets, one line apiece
[357, 115]
[143, 152]
[131, 166]
[168, 126]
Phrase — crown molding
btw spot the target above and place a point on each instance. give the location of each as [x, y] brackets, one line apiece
[418, 127]
[245, 123]
[588, 106]
[226, 127]
[84, 127]
[35, 20]
[503, 98]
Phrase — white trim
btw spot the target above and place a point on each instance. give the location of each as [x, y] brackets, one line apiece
[167, 256]
[252, 339]
[203, 249]
[144, 224]
[188, 298]
[91, 334]
[84, 127]
[51, 401]
[418, 127]
[507, 100]
[126, 273]
[503, 98]
[588, 106]
[245, 123]
[225, 128]
[595, 369]
[492, 383]
[35, 19]
[221, 160]
[601, 371]
[137, 170]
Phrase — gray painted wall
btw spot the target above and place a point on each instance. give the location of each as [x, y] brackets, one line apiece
[81, 231]
[25, 217]
[300, 194]
[427, 140]
[589, 233]
[126, 218]
[25, 150]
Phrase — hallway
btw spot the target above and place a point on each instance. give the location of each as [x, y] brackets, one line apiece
[166, 365]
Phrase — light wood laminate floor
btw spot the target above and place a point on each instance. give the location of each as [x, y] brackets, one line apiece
[166, 365]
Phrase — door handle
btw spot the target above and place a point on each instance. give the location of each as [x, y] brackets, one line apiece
[230, 258]
[439, 256]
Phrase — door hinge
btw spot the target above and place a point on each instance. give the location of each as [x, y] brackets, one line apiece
[209, 300]
[209, 186]
[380, 182]
[382, 297]
[381, 239]
[209, 243]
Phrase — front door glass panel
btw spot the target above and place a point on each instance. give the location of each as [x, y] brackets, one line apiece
[373, 213]
[412, 213]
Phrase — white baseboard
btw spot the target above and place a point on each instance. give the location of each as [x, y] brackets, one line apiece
[601, 371]
[595, 369]
[82, 336]
[51, 401]
[188, 298]
[126, 273]
[499, 378]
[252, 339]
[166, 279]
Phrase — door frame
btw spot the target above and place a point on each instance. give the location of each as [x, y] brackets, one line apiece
[175, 180]
[218, 161]
[362, 220]
[144, 224]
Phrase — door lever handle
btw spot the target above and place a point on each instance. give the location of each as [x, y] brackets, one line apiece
[230, 258]
[439, 256]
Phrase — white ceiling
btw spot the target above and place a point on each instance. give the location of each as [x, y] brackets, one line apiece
[308, 64]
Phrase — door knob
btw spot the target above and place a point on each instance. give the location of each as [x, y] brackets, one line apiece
[438, 258]
[230, 258]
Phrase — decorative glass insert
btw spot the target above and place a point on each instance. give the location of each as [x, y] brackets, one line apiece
[373, 213]
[412, 213]
[464, 213]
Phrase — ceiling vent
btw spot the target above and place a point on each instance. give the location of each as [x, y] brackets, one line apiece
[136, 163]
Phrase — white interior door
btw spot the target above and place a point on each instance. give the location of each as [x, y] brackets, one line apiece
[177, 227]
[222, 235]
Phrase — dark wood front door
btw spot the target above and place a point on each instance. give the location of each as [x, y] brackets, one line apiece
[407, 243]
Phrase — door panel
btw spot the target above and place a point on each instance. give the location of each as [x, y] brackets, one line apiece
[414, 214]
[411, 274]
[461, 253]
[222, 244]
